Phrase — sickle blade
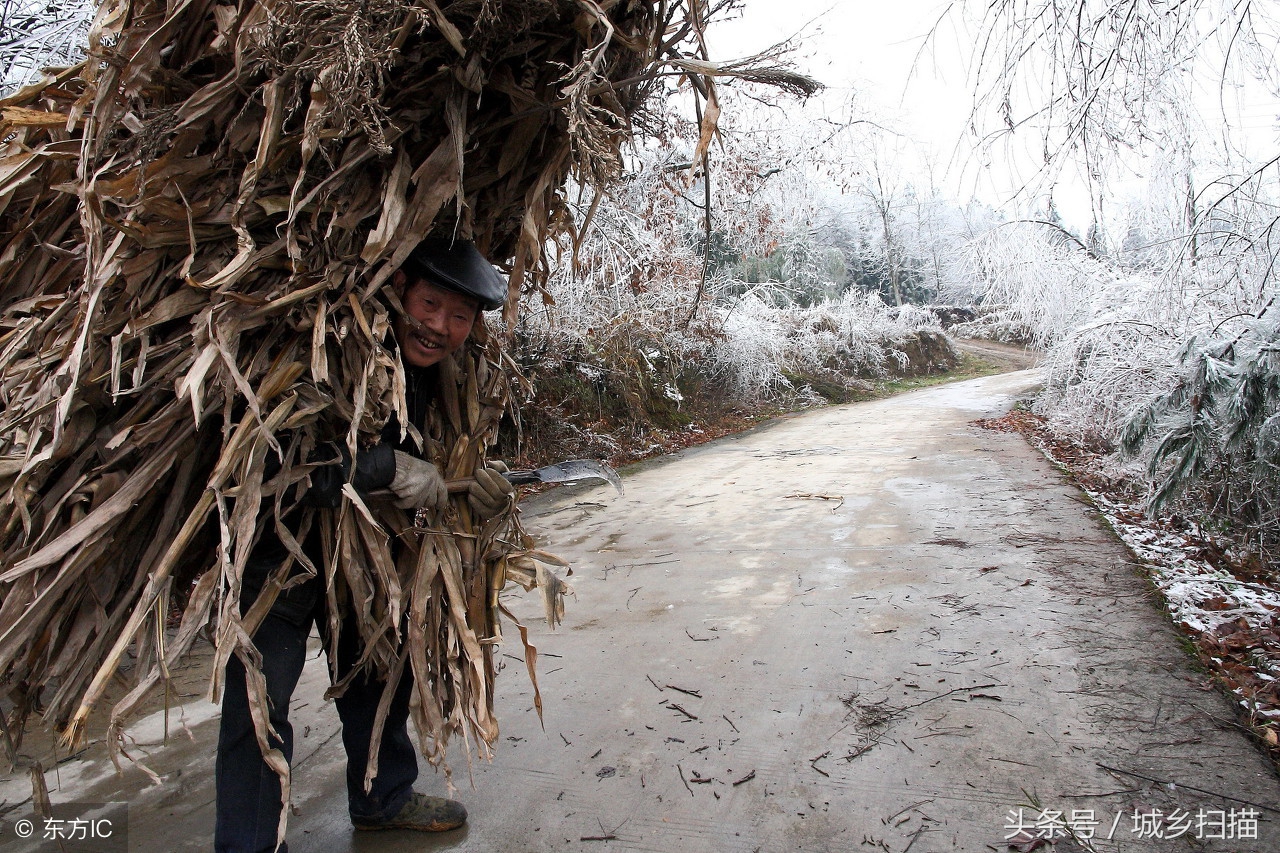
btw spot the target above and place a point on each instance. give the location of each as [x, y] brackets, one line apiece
[576, 470]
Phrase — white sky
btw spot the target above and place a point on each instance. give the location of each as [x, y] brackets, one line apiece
[874, 48]
[868, 45]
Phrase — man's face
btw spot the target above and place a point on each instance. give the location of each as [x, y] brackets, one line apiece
[442, 319]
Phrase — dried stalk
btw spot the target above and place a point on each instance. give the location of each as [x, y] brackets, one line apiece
[199, 223]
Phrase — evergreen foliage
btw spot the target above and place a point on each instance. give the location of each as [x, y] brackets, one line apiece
[1217, 429]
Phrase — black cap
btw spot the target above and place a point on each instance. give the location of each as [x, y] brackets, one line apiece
[457, 266]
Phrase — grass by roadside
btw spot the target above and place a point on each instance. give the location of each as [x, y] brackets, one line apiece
[970, 366]
[569, 427]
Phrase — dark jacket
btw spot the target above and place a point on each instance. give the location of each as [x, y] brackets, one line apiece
[375, 467]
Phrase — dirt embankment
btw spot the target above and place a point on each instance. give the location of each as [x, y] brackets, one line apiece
[627, 411]
[1006, 356]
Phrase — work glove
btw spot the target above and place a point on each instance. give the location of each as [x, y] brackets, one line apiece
[417, 483]
[489, 492]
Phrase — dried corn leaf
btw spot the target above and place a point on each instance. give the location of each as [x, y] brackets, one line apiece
[199, 221]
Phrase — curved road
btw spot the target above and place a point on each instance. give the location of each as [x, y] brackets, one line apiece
[867, 627]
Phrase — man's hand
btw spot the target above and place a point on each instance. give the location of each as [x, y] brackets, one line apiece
[417, 483]
[489, 493]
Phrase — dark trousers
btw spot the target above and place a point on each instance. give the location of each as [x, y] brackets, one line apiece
[248, 791]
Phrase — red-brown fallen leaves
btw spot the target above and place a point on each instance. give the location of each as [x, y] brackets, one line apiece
[1237, 649]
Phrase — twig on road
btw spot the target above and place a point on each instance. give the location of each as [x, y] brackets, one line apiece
[680, 770]
[605, 835]
[693, 693]
[673, 706]
[1271, 809]
[816, 497]
[887, 820]
[897, 711]
[914, 836]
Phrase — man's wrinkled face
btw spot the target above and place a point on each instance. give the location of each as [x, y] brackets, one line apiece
[441, 321]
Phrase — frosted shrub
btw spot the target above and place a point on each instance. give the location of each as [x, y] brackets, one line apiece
[866, 333]
[1096, 375]
[757, 344]
[1216, 428]
[748, 346]
[1109, 337]
[745, 345]
[1179, 365]
[1037, 286]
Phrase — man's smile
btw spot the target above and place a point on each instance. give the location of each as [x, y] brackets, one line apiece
[426, 342]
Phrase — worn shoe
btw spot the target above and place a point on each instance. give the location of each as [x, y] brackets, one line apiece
[421, 813]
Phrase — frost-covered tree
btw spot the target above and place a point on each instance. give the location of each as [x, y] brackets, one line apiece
[774, 303]
[1167, 340]
[35, 34]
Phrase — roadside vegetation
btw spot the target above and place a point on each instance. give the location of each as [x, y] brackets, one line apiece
[788, 274]
[761, 259]
[1158, 322]
[696, 298]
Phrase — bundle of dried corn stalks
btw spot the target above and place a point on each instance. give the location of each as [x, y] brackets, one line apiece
[198, 227]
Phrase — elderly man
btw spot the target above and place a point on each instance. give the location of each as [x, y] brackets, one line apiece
[442, 288]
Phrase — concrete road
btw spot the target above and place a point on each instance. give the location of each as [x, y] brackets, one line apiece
[868, 627]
